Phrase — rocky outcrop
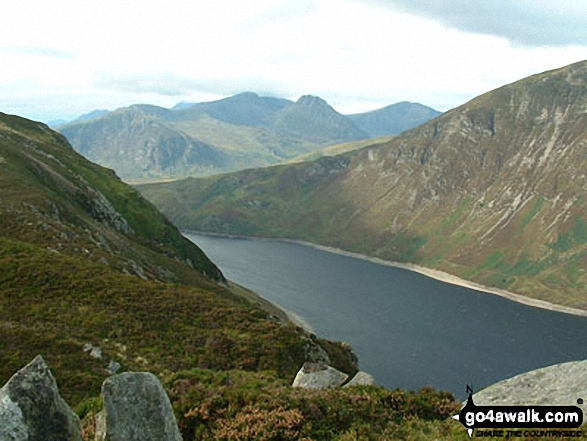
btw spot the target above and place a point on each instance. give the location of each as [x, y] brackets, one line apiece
[561, 384]
[361, 379]
[136, 408]
[31, 408]
[319, 376]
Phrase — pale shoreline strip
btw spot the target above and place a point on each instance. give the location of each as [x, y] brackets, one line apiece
[429, 272]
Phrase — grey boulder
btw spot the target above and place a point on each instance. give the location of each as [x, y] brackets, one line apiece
[31, 408]
[562, 384]
[137, 409]
[318, 376]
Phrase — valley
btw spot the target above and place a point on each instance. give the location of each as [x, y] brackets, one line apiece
[445, 335]
[96, 280]
[492, 191]
[318, 220]
[482, 192]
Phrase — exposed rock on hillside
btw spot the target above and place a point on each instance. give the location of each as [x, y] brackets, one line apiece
[361, 379]
[561, 385]
[69, 205]
[137, 409]
[31, 408]
[318, 376]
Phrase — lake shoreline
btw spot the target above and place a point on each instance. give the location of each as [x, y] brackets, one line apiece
[279, 312]
[428, 272]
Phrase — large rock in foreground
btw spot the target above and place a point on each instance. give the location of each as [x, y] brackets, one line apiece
[561, 384]
[31, 408]
[319, 376]
[138, 409]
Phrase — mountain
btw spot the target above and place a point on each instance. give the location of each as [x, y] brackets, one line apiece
[90, 115]
[138, 142]
[96, 280]
[393, 119]
[56, 123]
[238, 132]
[243, 109]
[311, 119]
[493, 191]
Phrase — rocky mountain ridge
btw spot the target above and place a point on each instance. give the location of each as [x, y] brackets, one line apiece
[144, 141]
[492, 191]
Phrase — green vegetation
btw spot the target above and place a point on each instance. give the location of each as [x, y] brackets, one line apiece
[63, 302]
[337, 149]
[85, 259]
[577, 235]
[241, 406]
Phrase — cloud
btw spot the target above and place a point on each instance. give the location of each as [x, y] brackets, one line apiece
[167, 84]
[530, 23]
[37, 51]
[67, 57]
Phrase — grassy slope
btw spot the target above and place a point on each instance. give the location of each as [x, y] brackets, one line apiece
[493, 191]
[75, 269]
[338, 149]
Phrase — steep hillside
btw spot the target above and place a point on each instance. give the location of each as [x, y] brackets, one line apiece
[311, 119]
[393, 119]
[85, 258]
[493, 191]
[337, 149]
[96, 280]
[138, 142]
[238, 132]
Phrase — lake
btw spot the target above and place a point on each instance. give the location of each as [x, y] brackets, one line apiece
[409, 330]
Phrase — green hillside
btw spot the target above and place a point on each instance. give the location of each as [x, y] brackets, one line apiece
[84, 259]
[338, 149]
[493, 191]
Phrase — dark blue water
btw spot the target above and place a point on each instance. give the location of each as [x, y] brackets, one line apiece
[408, 330]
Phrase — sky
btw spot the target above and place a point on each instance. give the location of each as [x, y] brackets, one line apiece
[63, 58]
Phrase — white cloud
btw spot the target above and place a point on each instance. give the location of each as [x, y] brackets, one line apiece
[526, 22]
[63, 58]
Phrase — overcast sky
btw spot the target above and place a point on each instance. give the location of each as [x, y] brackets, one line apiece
[62, 58]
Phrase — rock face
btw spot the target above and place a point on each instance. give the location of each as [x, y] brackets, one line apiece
[561, 384]
[31, 408]
[318, 376]
[361, 379]
[137, 409]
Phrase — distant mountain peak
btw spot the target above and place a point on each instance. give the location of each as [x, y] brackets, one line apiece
[393, 119]
[311, 100]
[247, 94]
[239, 131]
[182, 105]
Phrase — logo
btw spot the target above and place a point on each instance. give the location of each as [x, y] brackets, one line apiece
[518, 417]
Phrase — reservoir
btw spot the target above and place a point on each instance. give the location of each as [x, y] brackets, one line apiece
[409, 330]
